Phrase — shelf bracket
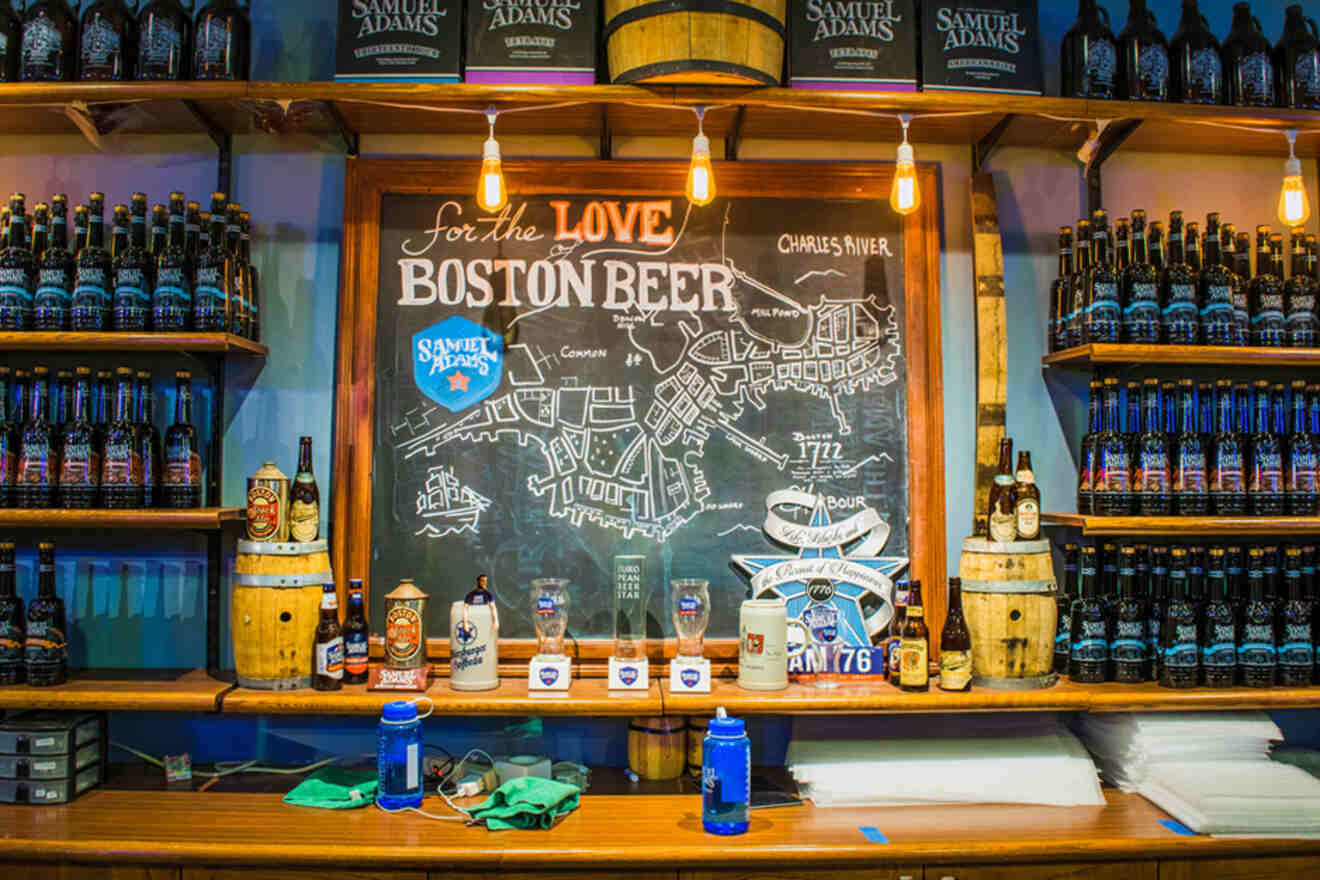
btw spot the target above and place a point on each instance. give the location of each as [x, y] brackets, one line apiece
[983, 149]
[352, 140]
[224, 144]
[733, 140]
[1108, 140]
[606, 138]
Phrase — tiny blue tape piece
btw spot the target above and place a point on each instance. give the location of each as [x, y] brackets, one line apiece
[1177, 827]
[872, 834]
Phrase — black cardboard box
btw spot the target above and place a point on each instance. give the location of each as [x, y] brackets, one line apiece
[553, 42]
[981, 45]
[399, 40]
[845, 44]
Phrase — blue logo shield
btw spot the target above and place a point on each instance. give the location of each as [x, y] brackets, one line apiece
[628, 674]
[549, 675]
[466, 633]
[689, 677]
[457, 363]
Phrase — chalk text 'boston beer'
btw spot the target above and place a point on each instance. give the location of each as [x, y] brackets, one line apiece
[616, 285]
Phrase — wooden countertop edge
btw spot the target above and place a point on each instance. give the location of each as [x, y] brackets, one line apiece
[724, 853]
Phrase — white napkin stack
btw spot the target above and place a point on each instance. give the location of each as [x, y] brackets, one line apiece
[967, 759]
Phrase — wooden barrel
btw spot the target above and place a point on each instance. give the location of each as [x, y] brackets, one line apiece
[1008, 597]
[697, 725]
[656, 747]
[720, 42]
[274, 611]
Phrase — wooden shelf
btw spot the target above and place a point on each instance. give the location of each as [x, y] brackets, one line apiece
[387, 108]
[587, 696]
[122, 690]
[193, 519]
[633, 835]
[200, 343]
[1186, 526]
[1214, 355]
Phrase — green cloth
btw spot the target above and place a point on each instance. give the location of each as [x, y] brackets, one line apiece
[526, 802]
[334, 788]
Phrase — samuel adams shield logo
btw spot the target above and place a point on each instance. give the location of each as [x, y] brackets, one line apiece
[549, 675]
[627, 674]
[689, 677]
[457, 363]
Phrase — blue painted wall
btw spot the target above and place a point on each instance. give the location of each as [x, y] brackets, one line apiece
[142, 606]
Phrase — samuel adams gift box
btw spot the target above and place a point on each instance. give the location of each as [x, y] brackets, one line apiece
[549, 41]
[400, 40]
[847, 44]
[988, 46]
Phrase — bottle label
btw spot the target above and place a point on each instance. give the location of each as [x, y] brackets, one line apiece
[11, 642]
[184, 471]
[121, 465]
[53, 287]
[42, 47]
[403, 636]
[1228, 473]
[15, 288]
[330, 658]
[914, 663]
[80, 465]
[34, 467]
[1301, 312]
[263, 513]
[1143, 294]
[304, 521]
[210, 285]
[1301, 471]
[7, 459]
[1257, 78]
[1182, 649]
[1153, 61]
[1152, 473]
[355, 653]
[1267, 472]
[1003, 526]
[955, 670]
[160, 44]
[1092, 644]
[45, 643]
[1207, 75]
[1306, 76]
[89, 288]
[1189, 474]
[1221, 648]
[100, 44]
[1028, 518]
[172, 287]
[1129, 644]
[212, 44]
[1101, 68]
[1296, 649]
[1114, 474]
[132, 287]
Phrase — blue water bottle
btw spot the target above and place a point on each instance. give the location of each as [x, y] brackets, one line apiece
[399, 755]
[726, 775]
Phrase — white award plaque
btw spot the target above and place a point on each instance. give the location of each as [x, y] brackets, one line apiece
[689, 675]
[549, 673]
[629, 675]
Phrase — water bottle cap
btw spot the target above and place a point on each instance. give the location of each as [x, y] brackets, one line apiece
[723, 725]
[400, 710]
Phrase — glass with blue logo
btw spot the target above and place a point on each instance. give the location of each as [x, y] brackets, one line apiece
[399, 754]
[726, 775]
[821, 619]
[691, 614]
[550, 615]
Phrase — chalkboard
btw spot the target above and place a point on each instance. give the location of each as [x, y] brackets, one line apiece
[590, 374]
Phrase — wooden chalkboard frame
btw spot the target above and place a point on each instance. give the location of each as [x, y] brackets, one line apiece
[370, 179]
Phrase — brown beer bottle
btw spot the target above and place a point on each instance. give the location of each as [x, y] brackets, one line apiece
[1026, 500]
[896, 632]
[355, 636]
[329, 672]
[914, 648]
[956, 643]
[304, 498]
[1000, 515]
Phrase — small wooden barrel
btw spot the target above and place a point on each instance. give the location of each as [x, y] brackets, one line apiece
[1008, 597]
[720, 42]
[697, 725]
[274, 611]
[656, 747]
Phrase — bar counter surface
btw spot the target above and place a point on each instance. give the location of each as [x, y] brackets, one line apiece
[654, 834]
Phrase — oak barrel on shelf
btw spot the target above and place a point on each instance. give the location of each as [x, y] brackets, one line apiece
[274, 611]
[716, 42]
[1008, 597]
[657, 746]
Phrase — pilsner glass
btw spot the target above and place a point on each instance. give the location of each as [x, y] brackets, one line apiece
[550, 614]
[822, 622]
[691, 614]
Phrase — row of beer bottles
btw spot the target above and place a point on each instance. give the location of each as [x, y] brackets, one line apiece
[194, 273]
[34, 644]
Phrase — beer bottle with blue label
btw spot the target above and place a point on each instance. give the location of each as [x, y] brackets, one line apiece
[1150, 481]
[171, 298]
[38, 462]
[46, 648]
[1265, 294]
[1086, 473]
[1296, 652]
[1182, 312]
[1111, 490]
[356, 634]
[80, 460]
[13, 625]
[1063, 607]
[148, 439]
[1127, 648]
[329, 674]
[253, 285]
[1190, 495]
[182, 473]
[121, 459]
[133, 272]
[10, 440]
[1159, 595]
[18, 272]
[1103, 319]
[53, 300]
[1060, 288]
[1300, 472]
[1218, 625]
[1228, 485]
[1299, 294]
[214, 275]
[1088, 625]
[91, 291]
[1265, 491]
[1180, 666]
[1216, 289]
[1141, 289]
[1256, 636]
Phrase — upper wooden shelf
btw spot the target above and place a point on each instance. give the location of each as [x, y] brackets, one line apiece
[625, 835]
[388, 108]
[1175, 526]
[192, 519]
[1215, 355]
[122, 690]
[197, 343]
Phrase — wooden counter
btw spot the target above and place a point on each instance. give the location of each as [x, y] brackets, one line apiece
[652, 833]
